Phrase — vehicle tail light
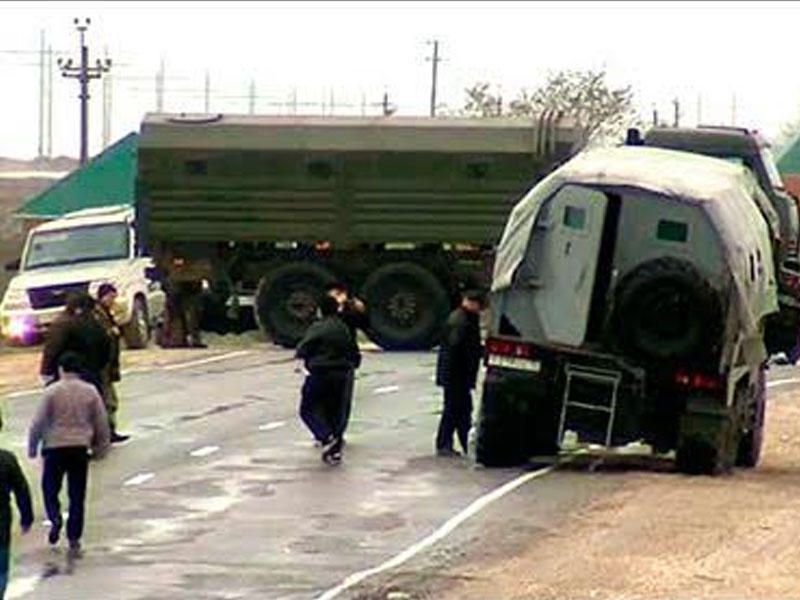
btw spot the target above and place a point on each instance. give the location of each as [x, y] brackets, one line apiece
[509, 348]
[698, 381]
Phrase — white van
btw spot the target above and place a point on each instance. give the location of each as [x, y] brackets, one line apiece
[77, 253]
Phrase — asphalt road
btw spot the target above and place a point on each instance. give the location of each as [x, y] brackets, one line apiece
[221, 494]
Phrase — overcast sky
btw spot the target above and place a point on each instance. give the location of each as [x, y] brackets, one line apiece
[702, 53]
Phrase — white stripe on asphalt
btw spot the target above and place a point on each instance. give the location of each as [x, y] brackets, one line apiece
[387, 389]
[270, 426]
[22, 393]
[205, 361]
[22, 586]
[139, 479]
[783, 382]
[437, 535]
[204, 451]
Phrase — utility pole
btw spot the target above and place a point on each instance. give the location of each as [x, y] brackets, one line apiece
[83, 74]
[41, 94]
[655, 116]
[677, 118]
[106, 105]
[435, 60]
[699, 109]
[208, 93]
[49, 101]
[252, 95]
[733, 109]
[160, 87]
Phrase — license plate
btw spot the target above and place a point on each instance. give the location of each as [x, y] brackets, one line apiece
[514, 362]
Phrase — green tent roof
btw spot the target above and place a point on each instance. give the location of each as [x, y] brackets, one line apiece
[107, 179]
[789, 158]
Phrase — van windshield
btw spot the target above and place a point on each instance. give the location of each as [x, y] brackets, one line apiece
[78, 244]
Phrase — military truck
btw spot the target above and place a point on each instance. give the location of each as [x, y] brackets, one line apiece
[629, 298]
[745, 147]
[406, 210]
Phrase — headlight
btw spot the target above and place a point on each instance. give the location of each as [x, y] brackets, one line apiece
[16, 299]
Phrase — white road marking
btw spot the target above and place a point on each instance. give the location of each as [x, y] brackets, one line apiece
[17, 588]
[271, 426]
[22, 393]
[139, 479]
[437, 535]
[205, 361]
[387, 389]
[783, 382]
[204, 451]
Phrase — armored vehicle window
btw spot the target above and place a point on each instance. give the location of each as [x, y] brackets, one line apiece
[574, 217]
[672, 231]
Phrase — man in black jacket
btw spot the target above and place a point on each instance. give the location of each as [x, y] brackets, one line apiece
[78, 331]
[330, 354]
[354, 314]
[457, 365]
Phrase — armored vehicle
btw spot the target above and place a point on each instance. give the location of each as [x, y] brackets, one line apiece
[745, 147]
[629, 298]
[406, 210]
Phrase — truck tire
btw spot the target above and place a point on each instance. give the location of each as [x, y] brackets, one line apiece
[286, 301]
[664, 309]
[136, 332]
[407, 306]
[749, 451]
[499, 442]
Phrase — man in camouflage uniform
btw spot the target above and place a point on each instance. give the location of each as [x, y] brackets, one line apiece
[104, 313]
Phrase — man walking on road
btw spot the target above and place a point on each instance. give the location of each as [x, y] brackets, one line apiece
[457, 365]
[354, 314]
[330, 354]
[110, 373]
[11, 480]
[70, 420]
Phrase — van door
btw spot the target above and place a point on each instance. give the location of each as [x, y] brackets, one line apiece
[562, 260]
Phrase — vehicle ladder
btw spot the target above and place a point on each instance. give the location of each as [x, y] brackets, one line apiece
[606, 384]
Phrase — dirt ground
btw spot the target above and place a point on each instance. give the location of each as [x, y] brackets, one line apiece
[665, 535]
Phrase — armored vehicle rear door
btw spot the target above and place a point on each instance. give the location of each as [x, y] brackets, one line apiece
[562, 260]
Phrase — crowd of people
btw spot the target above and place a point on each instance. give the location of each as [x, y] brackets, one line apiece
[80, 364]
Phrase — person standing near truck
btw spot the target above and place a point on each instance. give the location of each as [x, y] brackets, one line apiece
[330, 355]
[457, 365]
[110, 373]
[354, 314]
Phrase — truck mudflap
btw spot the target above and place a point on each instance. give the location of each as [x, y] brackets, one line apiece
[707, 441]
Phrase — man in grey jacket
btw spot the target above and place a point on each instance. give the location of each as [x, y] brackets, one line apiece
[70, 420]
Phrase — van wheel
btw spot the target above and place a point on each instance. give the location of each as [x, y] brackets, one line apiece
[407, 306]
[286, 301]
[749, 450]
[665, 309]
[136, 332]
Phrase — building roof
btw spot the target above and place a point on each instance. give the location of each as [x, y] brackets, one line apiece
[107, 179]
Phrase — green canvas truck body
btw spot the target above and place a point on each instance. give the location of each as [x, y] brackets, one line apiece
[406, 210]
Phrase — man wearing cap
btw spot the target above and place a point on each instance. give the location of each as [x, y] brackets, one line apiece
[106, 297]
[457, 365]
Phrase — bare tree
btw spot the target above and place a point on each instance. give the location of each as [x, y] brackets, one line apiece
[481, 103]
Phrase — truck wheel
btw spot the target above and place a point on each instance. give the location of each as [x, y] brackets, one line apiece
[664, 309]
[407, 306]
[707, 445]
[136, 332]
[749, 451]
[286, 301]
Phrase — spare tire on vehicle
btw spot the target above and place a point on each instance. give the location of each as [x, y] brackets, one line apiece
[407, 306]
[286, 300]
[665, 309]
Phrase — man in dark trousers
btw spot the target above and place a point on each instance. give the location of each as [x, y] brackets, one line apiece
[330, 354]
[78, 331]
[11, 480]
[70, 420]
[457, 365]
[110, 373]
[354, 314]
